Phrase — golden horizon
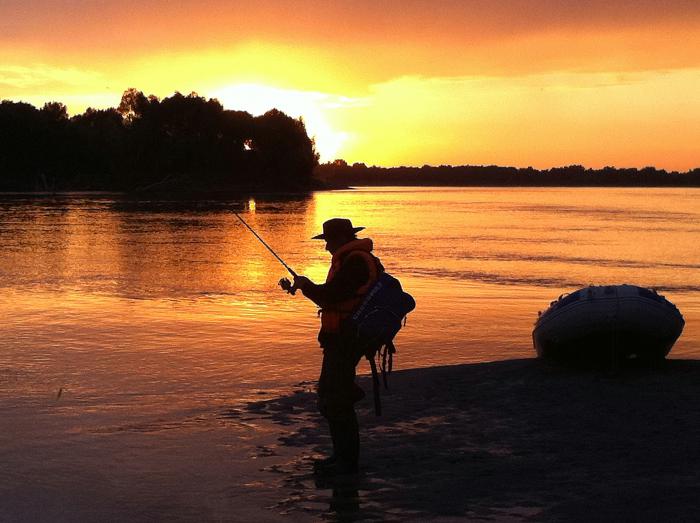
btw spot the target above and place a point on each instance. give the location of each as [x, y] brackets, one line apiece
[476, 83]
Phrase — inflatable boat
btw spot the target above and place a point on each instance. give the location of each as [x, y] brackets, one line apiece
[608, 324]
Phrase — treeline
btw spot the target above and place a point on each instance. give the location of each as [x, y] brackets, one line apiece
[180, 143]
[339, 173]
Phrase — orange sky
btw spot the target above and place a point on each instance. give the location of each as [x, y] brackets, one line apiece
[509, 82]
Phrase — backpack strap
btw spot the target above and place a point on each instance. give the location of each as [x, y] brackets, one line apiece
[375, 386]
[387, 365]
[386, 352]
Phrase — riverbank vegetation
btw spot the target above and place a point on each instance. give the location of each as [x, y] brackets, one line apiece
[186, 144]
[177, 144]
[339, 173]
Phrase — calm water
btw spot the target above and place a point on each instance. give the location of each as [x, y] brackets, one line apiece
[125, 321]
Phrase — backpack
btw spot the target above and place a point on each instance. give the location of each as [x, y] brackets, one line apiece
[375, 323]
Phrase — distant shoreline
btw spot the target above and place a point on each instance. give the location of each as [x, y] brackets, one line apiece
[340, 173]
[263, 194]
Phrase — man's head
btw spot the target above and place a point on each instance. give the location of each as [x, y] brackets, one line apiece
[337, 232]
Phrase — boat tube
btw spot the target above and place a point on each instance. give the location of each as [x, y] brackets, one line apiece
[608, 324]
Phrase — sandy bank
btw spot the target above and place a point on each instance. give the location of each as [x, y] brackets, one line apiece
[513, 440]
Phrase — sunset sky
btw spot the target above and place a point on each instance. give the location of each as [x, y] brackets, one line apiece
[410, 82]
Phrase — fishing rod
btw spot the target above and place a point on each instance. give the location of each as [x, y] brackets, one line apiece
[294, 274]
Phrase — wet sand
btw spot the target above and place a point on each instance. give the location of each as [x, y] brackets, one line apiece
[514, 440]
[506, 441]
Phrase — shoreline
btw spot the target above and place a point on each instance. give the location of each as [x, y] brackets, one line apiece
[286, 194]
[512, 440]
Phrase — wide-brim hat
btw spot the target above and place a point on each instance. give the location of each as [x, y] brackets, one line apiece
[337, 227]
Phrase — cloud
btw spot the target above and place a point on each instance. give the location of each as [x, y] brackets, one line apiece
[19, 77]
[364, 41]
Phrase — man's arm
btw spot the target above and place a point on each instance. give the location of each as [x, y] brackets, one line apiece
[352, 275]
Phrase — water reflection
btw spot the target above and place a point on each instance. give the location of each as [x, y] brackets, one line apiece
[470, 255]
[144, 249]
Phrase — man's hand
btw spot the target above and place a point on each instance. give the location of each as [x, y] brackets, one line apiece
[300, 282]
[287, 286]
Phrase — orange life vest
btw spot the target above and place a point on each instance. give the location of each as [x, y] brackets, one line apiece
[333, 315]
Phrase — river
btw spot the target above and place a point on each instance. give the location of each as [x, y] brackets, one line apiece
[124, 320]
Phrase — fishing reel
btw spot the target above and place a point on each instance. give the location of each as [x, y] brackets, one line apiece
[287, 286]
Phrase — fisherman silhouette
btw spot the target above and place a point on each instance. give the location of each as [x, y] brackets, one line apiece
[353, 271]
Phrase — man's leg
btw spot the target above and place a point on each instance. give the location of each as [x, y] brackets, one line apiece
[325, 385]
[347, 435]
[337, 394]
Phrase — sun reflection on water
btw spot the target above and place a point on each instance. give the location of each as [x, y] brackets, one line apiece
[127, 288]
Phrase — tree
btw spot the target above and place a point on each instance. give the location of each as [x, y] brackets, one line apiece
[286, 154]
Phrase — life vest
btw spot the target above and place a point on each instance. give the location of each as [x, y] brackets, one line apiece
[333, 315]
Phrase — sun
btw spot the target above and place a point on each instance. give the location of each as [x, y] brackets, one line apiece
[311, 106]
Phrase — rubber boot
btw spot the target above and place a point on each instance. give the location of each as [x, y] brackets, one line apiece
[322, 464]
[345, 433]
